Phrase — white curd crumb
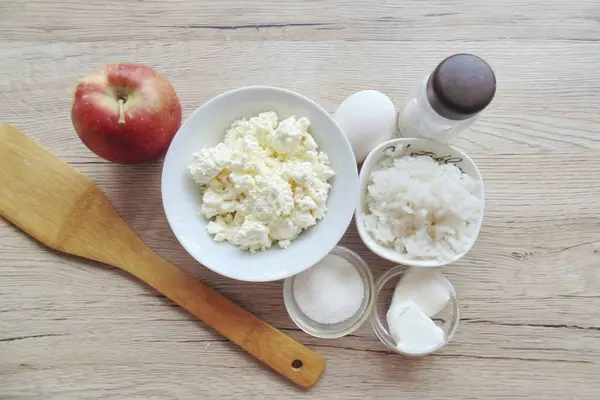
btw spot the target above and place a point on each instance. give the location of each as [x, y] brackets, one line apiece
[264, 184]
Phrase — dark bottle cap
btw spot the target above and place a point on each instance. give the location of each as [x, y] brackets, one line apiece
[461, 86]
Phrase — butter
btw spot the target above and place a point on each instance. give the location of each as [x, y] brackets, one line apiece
[421, 286]
[412, 330]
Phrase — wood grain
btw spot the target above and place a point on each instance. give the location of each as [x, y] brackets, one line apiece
[550, 106]
[529, 289]
[63, 209]
[313, 20]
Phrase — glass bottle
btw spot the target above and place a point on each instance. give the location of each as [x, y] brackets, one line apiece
[449, 99]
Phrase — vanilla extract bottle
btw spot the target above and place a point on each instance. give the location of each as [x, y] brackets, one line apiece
[449, 99]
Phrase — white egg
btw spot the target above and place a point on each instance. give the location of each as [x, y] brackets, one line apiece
[368, 118]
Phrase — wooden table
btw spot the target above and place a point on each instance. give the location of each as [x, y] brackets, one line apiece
[529, 289]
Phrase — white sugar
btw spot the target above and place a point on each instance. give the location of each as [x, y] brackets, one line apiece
[330, 292]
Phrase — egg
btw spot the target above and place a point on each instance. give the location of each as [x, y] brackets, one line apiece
[368, 118]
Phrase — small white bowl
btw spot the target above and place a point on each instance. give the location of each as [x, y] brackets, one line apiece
[182, 200]
[399, 147]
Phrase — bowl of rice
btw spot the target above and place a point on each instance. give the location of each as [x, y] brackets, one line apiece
[420, 204]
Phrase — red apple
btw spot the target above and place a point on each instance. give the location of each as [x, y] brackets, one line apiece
[126, 113]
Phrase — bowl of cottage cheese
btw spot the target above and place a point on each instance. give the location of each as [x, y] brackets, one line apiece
[258, 184]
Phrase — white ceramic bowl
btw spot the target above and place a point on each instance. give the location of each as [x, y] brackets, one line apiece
[398, 148]
[182, 200]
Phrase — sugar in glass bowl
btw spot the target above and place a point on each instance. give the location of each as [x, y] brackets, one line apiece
[339, 329]
[182, 200]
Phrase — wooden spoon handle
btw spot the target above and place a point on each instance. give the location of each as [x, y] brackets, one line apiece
[63, 209]
[271, 346]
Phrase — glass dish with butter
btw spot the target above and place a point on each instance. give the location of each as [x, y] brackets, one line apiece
[416, 311]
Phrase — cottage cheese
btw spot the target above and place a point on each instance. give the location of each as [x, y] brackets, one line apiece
[266, 183]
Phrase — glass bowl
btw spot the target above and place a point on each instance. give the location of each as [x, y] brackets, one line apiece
[333, 331]
[447, 319]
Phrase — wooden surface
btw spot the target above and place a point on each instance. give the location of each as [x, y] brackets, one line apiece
[63, 209]
[529, 289]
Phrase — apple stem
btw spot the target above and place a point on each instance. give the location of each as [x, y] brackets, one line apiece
[121, 112]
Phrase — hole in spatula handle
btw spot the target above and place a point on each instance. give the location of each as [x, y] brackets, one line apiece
[297, 364]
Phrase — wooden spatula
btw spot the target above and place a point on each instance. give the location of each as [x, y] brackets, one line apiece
[66, 211]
